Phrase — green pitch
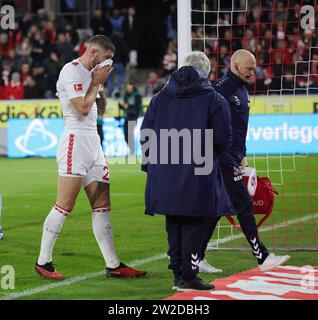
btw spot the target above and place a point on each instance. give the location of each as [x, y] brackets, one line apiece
[28, 189]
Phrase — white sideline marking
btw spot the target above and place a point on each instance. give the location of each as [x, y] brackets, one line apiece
[134, 263]
[67, 282]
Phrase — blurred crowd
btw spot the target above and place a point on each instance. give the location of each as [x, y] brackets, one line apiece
[286, 54]
[284, 51]
[33, 54]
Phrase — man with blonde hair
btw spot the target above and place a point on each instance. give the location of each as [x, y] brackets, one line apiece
[80, 158]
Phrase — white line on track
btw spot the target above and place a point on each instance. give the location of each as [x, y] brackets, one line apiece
[135, 263]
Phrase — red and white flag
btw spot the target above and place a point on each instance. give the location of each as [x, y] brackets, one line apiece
[281, 283]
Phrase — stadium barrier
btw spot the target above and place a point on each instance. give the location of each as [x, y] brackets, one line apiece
[267, 134]
[50, 108]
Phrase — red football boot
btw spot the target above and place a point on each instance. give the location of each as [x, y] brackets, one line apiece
[123, 271]
[48, 271]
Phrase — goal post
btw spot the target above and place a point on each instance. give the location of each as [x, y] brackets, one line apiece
[282, 142]
[184, 29]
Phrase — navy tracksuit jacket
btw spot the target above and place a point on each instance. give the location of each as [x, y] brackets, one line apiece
[188, 101]
[187, 200]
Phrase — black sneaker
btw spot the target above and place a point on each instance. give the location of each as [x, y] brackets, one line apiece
[195, 284]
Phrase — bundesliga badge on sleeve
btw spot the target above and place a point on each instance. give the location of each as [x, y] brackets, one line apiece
[250, 179]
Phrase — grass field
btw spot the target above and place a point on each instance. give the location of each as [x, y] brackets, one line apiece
[28, 190]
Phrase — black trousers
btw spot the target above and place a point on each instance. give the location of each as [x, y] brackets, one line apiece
[185, 235]
[243, 205]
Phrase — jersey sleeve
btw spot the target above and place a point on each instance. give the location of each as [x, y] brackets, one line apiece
[221, 124]
[73, 84]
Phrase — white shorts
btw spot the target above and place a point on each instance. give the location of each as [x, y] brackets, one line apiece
[79, 153]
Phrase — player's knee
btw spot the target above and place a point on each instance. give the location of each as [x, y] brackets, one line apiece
[67, 206]
[105, 204]
[102, 198]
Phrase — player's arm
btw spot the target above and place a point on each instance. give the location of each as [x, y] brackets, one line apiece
[226, 88]
[222, 127]
[101, 102]
[83, 105]
[244, 162]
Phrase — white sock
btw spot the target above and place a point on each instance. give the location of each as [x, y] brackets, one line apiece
[51, 229]
[103, 232]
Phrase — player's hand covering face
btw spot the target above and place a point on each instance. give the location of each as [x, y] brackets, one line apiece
[100, 75]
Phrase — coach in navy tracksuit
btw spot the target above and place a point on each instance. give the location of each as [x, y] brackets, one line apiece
[232, 87]
[188, 101]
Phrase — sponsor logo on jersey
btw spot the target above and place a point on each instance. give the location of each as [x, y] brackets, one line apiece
[237, 174]
[236, 100]
[221, 81]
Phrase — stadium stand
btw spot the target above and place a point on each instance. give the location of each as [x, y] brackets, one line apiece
[43, 42]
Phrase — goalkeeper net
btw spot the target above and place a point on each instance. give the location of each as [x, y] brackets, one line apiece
[282, 141]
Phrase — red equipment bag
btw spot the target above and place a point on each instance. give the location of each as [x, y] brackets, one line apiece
[263, 200]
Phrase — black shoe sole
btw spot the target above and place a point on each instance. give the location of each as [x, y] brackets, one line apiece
[123, 277]
[190, 290]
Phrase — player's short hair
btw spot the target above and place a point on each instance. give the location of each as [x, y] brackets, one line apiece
[102, 41]
[198, 60]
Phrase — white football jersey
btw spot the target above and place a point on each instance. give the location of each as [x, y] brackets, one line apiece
[74, 81]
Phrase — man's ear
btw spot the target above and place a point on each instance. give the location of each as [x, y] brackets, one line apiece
[93, 50]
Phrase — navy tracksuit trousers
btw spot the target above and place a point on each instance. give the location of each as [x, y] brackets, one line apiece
[243, 205]
[185, 235]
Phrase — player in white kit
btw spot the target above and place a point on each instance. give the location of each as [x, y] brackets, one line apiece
[80, 158]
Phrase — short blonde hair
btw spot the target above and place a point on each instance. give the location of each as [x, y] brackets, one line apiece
[102, 41]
